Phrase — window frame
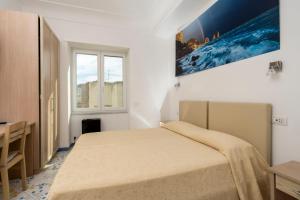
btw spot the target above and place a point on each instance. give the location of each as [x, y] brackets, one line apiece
[100, 68]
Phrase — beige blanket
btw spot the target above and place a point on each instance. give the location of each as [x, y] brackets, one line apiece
[153, 164]
[249, 169]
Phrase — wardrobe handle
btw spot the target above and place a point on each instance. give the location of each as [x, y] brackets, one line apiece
[52, 104]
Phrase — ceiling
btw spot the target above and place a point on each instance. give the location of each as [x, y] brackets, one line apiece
[138, 14]
[126, 8]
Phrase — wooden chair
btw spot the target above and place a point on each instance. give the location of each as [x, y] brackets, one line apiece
[8, 158]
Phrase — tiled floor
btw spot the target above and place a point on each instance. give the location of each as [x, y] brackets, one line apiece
[38, 185]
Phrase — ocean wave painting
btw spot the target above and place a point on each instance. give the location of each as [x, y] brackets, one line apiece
[229, 31]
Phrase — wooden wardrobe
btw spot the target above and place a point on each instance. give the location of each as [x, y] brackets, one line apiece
[29, 79]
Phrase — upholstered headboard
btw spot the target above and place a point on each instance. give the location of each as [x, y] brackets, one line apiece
[194, 112]
[251, 122]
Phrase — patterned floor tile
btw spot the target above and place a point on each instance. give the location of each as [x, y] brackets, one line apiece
[39, 184]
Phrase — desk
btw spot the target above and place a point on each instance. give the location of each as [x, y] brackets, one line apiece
[28, 150]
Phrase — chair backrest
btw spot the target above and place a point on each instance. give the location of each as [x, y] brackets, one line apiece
[17, 131]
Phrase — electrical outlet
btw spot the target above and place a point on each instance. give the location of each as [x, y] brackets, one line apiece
[280, 121]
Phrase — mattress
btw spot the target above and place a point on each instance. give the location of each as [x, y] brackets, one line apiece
[144, 164]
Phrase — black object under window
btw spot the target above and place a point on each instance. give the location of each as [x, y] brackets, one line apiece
[91, 125]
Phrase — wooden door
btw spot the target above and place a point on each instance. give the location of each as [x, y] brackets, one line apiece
[19, 75]
[49, 92]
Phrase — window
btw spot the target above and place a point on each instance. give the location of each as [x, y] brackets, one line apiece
[98, 82]
[87, 81]
[113, 82]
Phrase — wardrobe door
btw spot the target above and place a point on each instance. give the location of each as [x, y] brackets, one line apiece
[54, 89]
[49, 72]
[46, 96]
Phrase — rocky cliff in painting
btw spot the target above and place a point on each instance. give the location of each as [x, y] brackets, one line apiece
[184, 48]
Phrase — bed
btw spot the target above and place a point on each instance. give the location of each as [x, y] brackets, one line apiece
[208, 154]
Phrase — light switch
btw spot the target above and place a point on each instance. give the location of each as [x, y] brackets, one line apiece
[280, 121]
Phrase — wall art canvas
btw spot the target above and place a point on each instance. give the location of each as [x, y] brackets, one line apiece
[229, 31]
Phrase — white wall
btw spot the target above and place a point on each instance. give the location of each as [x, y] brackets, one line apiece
[64, 95]
[10, 4]
[246, 81]
[148, 65]
[108, 122]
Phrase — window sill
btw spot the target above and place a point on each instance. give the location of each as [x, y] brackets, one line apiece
[106, 112]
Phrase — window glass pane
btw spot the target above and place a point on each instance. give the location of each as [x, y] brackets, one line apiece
[87, 81]
[113, 81]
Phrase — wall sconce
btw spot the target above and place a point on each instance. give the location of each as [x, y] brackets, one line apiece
[275, 67]
[177, 85]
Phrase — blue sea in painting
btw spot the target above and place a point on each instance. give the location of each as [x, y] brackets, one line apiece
[257, 36]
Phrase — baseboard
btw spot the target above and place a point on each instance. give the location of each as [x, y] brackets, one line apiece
[65, 148]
